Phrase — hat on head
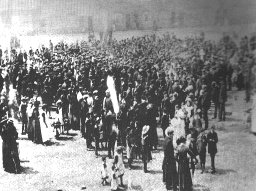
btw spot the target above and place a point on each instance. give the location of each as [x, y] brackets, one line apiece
[169, 130]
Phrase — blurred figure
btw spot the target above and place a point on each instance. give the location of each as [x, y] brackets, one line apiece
[222, 100]
[212, 139]
[169, 162]
[11, 161]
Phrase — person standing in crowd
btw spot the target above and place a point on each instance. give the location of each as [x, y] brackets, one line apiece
[222, 100]
[120, 164]
[1, 80]
[146, 147]
[169, 163]
[214, 98]
[23, 115]
[164, 122]
[30, 109]
[151, 121]
[11, 162]
[204, 103]
[201, 148]
[212, 140]
[184, 176]
[37, 134]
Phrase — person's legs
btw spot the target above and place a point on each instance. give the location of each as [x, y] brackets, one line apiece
[145, 166]
[212, 162]
[23, 127]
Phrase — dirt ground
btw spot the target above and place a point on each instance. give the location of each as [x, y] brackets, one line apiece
[66, 164]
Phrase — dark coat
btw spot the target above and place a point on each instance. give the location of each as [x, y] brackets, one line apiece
[212, 139]
[169, 164]
[185, 180]
[11, 161]
[201, 143]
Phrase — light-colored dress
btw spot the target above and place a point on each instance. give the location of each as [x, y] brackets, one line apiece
[114, 180]
[104, 172]
[120, 165]
[179, 131]
[47, 133]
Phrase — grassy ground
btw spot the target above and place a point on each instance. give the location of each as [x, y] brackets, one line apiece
[66, 164]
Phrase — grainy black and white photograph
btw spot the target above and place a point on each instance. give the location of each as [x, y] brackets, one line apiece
[127, 95]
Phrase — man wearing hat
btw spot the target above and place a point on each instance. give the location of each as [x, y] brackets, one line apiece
[169, 163]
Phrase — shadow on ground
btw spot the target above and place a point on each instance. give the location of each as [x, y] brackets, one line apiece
[23, 138]
[199, 187]
[133, 187]
[52, 143]
[27, 170]
[155, 171]
[219, 171]
[66, 138]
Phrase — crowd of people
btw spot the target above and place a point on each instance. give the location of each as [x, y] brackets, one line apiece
[159, 81]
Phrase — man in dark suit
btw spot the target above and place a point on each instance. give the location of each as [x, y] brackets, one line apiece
[212, 140]
[204, 103]
[170, 175]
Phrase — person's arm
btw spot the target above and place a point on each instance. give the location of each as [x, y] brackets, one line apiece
[43, 115]
[216, 138]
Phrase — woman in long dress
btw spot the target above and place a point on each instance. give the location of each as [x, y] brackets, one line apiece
[44, 125]
[37, 134]
[11, 161]
[30, 126]
[184, 176]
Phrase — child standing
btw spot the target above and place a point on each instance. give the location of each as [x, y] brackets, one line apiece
[120, 164]
[104, 172]
[114, 177]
